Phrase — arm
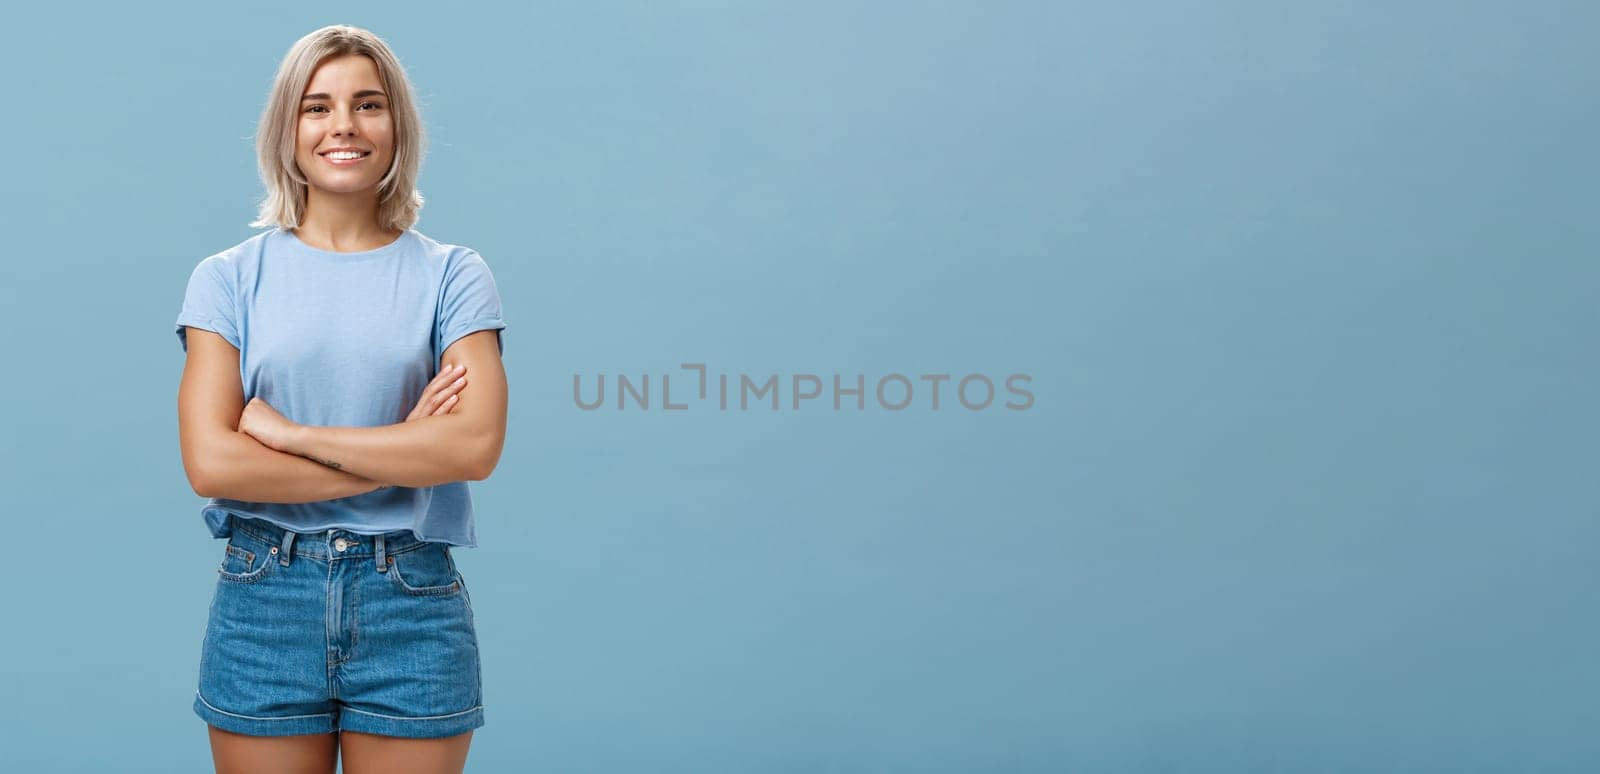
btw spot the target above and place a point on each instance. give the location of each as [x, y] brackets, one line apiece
[240, 468]
[222, 462]
[463, 445]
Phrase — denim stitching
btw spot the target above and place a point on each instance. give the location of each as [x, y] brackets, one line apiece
[472, 626]
[327, 638]
[253, 576]
[452, 588]
[428, 717]
[253, 717]
[297, 552]
[355, 620]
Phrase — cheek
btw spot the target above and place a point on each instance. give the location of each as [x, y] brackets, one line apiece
[382, 134]
[305, 140]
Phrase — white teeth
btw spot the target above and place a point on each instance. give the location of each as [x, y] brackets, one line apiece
[344, 155]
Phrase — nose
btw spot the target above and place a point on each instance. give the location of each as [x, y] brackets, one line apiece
[344, 124]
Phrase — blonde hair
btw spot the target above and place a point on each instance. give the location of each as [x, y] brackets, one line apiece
[285, 203]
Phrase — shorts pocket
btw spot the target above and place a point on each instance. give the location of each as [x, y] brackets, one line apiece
[243, 565]
[426, 572]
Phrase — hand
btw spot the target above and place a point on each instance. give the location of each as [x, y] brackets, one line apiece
[439, 397]
[263, 423]
[275, 431]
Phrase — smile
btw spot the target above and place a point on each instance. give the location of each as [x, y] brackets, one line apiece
[345, 158]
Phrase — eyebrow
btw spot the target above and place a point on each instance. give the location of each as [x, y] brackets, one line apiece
[358, 95]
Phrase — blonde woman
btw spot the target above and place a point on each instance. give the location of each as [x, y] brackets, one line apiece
[326, 412]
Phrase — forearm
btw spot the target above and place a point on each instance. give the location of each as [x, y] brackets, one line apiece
[238, 467]
[423, 452]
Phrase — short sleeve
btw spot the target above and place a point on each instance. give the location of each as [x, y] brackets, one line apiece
[209, 303]
[469, 301]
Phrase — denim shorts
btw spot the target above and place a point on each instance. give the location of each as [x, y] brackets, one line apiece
[312, 633]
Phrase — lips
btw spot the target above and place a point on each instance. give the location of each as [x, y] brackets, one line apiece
[343, 158]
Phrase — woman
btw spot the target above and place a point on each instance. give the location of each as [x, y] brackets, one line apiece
[340, 623]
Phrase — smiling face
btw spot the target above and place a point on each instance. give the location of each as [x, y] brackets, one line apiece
[344, 140]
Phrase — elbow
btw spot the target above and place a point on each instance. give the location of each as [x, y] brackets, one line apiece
[208, 480]
[479, 469]
[201, 478]
[206, 465]
[482, 460]
[202, 482]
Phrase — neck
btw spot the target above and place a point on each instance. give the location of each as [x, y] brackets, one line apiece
[343, 222]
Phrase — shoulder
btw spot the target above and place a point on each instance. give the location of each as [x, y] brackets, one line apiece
[445, 255]
[227, 262]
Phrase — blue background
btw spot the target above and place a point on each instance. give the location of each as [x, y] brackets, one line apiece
[1307, 293]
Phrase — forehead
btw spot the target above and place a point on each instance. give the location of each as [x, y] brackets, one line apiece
[350, 72]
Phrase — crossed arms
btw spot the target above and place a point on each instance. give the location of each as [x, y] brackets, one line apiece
[248, 452]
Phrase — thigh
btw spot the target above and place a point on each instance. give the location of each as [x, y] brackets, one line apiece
[241, 754]
[373, 754]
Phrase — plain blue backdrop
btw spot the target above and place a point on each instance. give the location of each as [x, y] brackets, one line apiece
[1306, 292]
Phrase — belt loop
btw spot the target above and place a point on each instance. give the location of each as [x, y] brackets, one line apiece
[287, 548]
[383, 563]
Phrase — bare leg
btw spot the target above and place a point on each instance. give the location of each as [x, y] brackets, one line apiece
[243, 754]
[372, 754]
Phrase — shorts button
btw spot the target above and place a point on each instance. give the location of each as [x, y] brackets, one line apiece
[341, 544]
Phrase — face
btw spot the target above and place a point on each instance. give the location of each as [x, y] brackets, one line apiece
[344, 107]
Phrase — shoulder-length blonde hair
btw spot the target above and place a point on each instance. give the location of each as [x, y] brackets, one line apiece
[285, 203]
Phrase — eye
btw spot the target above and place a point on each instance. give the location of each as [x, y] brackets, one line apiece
[320, 108]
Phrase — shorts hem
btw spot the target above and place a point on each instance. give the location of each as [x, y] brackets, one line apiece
[296, 725]
[435, 727]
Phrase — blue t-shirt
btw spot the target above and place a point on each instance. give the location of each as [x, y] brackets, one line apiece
[345, 339]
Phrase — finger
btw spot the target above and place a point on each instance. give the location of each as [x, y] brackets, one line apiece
[439, 382]
[447, 406]
[426, 402]
[431, 405]
[445, 375]
[442, 377]
[452, 387]
[436, 390]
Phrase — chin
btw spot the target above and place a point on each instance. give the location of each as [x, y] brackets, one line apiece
[353, 189]
[344, 187]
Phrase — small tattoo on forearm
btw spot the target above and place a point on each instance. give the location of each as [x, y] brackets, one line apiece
[329, 463]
